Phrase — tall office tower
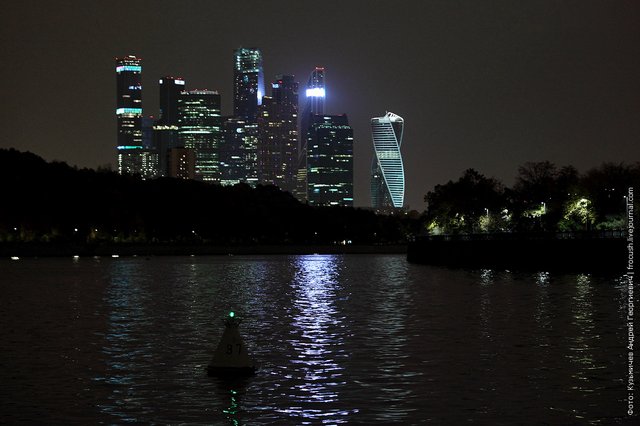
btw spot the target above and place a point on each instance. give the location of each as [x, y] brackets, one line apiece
[387, 170]
[238, 152]
[166, 128]
[251, 137]
[315, 91]
[147, 132]
[181, 163]
[200, 129]
[278, 143]
[248, 83]
[148, 166]
[314, 104]
[170, 89]
[145, 160]
[129, 113]
[330, 161]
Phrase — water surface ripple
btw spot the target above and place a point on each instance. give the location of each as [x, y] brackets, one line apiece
[364, 339]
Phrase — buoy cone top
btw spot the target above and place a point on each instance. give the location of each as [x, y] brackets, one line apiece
[231, 356]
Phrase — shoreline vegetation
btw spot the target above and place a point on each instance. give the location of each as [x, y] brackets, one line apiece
[550, 215]
[55, 205]
[543, 199]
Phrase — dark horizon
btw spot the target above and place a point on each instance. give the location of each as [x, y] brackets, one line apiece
[484, 85]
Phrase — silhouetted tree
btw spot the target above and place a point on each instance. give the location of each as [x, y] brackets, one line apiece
[461, 206]
[54, 202]
[539, 195]
[606, 187]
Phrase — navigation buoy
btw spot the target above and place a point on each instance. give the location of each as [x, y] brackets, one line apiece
[231, 357]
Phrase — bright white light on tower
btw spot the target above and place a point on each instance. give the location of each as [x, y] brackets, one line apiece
[316, 92]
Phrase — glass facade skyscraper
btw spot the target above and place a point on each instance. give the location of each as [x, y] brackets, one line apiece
[129, 113]
[278, 143]
[315, 94]
[166, 127]
[262, 142]
[170, 89]
[238, 152]
[248, 83]
[315, 91]
[200, 125]
[330, 161]
[181, 163]
[387, 169]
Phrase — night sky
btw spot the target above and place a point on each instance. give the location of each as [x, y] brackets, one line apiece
[481, 84]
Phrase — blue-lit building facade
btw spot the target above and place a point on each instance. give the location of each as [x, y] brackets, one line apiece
[248, 83]
[387, 169]
[200, 129]
[330, 161]
[129, 113]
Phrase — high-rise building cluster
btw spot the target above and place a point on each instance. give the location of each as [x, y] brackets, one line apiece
[266, 141]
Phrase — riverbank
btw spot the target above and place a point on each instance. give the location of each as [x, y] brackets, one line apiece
[110, 249]
[568, 252]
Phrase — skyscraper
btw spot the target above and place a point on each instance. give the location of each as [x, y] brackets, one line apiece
[330, 161]
[147, 165]
[248, 83]
[170, 89]
[387, 170]
[129, 113]
[315, 94]
[238, 152]
[231, 153]
[147, 131]
[278, 142]
[181, 163]
[166, 127]
[315, 91]
[251, 136]
[199, 124]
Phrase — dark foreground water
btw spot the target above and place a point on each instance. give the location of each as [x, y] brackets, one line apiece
[358, 339]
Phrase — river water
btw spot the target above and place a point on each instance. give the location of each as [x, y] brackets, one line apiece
[360, 339]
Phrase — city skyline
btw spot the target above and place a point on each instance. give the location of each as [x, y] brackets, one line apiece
[484, 85]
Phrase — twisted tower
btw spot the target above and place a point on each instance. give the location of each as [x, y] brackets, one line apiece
[387, 170]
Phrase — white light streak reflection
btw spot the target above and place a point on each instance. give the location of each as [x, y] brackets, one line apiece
[317, 340]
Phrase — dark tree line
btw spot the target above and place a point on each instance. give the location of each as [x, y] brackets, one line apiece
[53, 202]
[544, 198]
[57, 203]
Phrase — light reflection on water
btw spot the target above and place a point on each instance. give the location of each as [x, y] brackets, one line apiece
[316, 340]
[487, 277]
[358, 339]
[127, 304]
